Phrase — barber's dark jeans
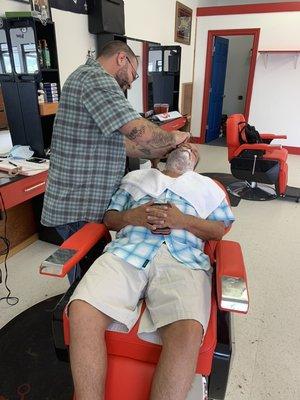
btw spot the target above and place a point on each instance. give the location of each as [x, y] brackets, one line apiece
[65, 231]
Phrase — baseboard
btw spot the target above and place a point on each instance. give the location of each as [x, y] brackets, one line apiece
[293, 150]
[194, 139]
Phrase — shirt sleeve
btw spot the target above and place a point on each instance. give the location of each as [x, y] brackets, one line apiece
[222, 213]
[120, 201]
[107, 105]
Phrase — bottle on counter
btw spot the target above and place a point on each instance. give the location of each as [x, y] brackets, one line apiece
[46, 54]
[40, 54]
[41, 94]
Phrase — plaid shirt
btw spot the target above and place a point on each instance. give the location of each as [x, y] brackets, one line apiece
[137, 245]
[87, 150]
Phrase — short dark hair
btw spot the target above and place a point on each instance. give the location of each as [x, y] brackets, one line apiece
[114, 47]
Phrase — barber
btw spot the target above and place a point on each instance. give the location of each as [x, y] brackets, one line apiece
[95, 127]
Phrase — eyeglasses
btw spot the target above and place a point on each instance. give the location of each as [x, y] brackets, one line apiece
[136, 75]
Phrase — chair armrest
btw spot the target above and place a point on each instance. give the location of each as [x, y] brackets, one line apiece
[272, 136]
[82, 242]
[231, 278]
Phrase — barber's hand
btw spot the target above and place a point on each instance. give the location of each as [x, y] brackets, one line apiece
[181, 137]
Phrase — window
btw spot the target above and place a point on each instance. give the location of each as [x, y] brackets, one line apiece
[5, 65]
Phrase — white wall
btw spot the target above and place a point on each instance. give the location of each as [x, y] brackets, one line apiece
[275, 102]
[237, 73]
[154, 20]
[149, 20]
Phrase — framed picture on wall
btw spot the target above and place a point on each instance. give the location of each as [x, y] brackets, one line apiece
[42, 7]
[183, 23]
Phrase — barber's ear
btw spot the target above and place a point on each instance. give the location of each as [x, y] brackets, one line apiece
[121, 58]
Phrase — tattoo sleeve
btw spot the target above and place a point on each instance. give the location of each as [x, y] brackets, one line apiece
[149, 135]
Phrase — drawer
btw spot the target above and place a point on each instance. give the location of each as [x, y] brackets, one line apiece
[24, 189]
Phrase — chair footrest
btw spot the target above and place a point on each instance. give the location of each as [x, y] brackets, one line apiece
[264, 171]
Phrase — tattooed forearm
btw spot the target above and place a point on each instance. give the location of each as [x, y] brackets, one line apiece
[137, 132]
[152, 135]
[162, 138]
[145, 139]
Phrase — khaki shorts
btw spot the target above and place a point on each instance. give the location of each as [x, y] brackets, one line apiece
[172, 292]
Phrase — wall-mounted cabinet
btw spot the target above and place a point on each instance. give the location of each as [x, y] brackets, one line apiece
[28, 63]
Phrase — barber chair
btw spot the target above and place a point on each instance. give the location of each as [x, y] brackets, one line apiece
[258, 165]
[132, 361]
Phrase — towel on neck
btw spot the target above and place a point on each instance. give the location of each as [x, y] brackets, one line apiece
[200, 191]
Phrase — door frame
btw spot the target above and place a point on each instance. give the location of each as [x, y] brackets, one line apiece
[255, 32]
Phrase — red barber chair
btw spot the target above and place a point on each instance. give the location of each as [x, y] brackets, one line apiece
[258, 165]
[132, 361]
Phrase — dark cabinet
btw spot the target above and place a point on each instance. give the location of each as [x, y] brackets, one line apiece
[28, 63]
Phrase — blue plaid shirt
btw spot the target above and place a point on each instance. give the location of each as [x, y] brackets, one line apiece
[137, 245]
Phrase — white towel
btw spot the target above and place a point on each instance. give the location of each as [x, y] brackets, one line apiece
[200, 191]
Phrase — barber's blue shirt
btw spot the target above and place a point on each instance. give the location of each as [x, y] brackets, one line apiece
[138, 245]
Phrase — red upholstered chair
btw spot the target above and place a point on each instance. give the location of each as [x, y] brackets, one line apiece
[132, 361]
[258, 165]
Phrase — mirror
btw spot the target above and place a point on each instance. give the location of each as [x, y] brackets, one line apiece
[5, 64]
[171, 60]
[24, 50]
[155, 62]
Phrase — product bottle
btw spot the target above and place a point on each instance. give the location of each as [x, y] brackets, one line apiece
[46, 54]
[40, 55]
[41, 94]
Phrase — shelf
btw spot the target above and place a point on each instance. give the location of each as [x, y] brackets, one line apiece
[265, 53]
[49, 70]
[48, 108]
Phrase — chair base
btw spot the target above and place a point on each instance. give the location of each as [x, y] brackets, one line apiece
[252, 191]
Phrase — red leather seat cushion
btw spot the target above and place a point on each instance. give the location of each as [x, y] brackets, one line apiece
[129, 345]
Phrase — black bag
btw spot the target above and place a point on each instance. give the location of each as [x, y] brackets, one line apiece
[248, 134]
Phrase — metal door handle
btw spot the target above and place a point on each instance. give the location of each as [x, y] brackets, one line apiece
[34, 187]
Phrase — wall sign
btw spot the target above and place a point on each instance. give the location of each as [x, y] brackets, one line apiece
[183, 23]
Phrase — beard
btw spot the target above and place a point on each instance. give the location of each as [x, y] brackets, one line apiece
[179, 161]
[122, 78]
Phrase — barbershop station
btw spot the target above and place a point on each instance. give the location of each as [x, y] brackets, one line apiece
[149, 200]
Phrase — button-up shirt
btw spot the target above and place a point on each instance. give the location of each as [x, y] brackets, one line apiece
[138, 245]
[87, 150]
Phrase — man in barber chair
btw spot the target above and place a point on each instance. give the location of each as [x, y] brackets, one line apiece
[169, 270]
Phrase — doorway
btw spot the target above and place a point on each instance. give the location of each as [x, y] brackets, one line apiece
[230, 66]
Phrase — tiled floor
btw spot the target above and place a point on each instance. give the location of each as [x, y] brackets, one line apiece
[267, 341]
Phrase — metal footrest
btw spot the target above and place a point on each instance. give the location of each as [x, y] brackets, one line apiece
[252, 191]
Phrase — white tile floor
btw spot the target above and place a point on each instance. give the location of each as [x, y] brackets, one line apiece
[267, 341]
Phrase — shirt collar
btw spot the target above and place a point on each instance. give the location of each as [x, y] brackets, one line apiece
[94, 63]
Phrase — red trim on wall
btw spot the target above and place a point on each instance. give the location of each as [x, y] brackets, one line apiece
[145, 76]
[249, 9]
[194, 139]
[293, 150]
[207, 76]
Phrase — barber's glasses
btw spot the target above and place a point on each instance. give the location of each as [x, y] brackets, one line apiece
[136, 75]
